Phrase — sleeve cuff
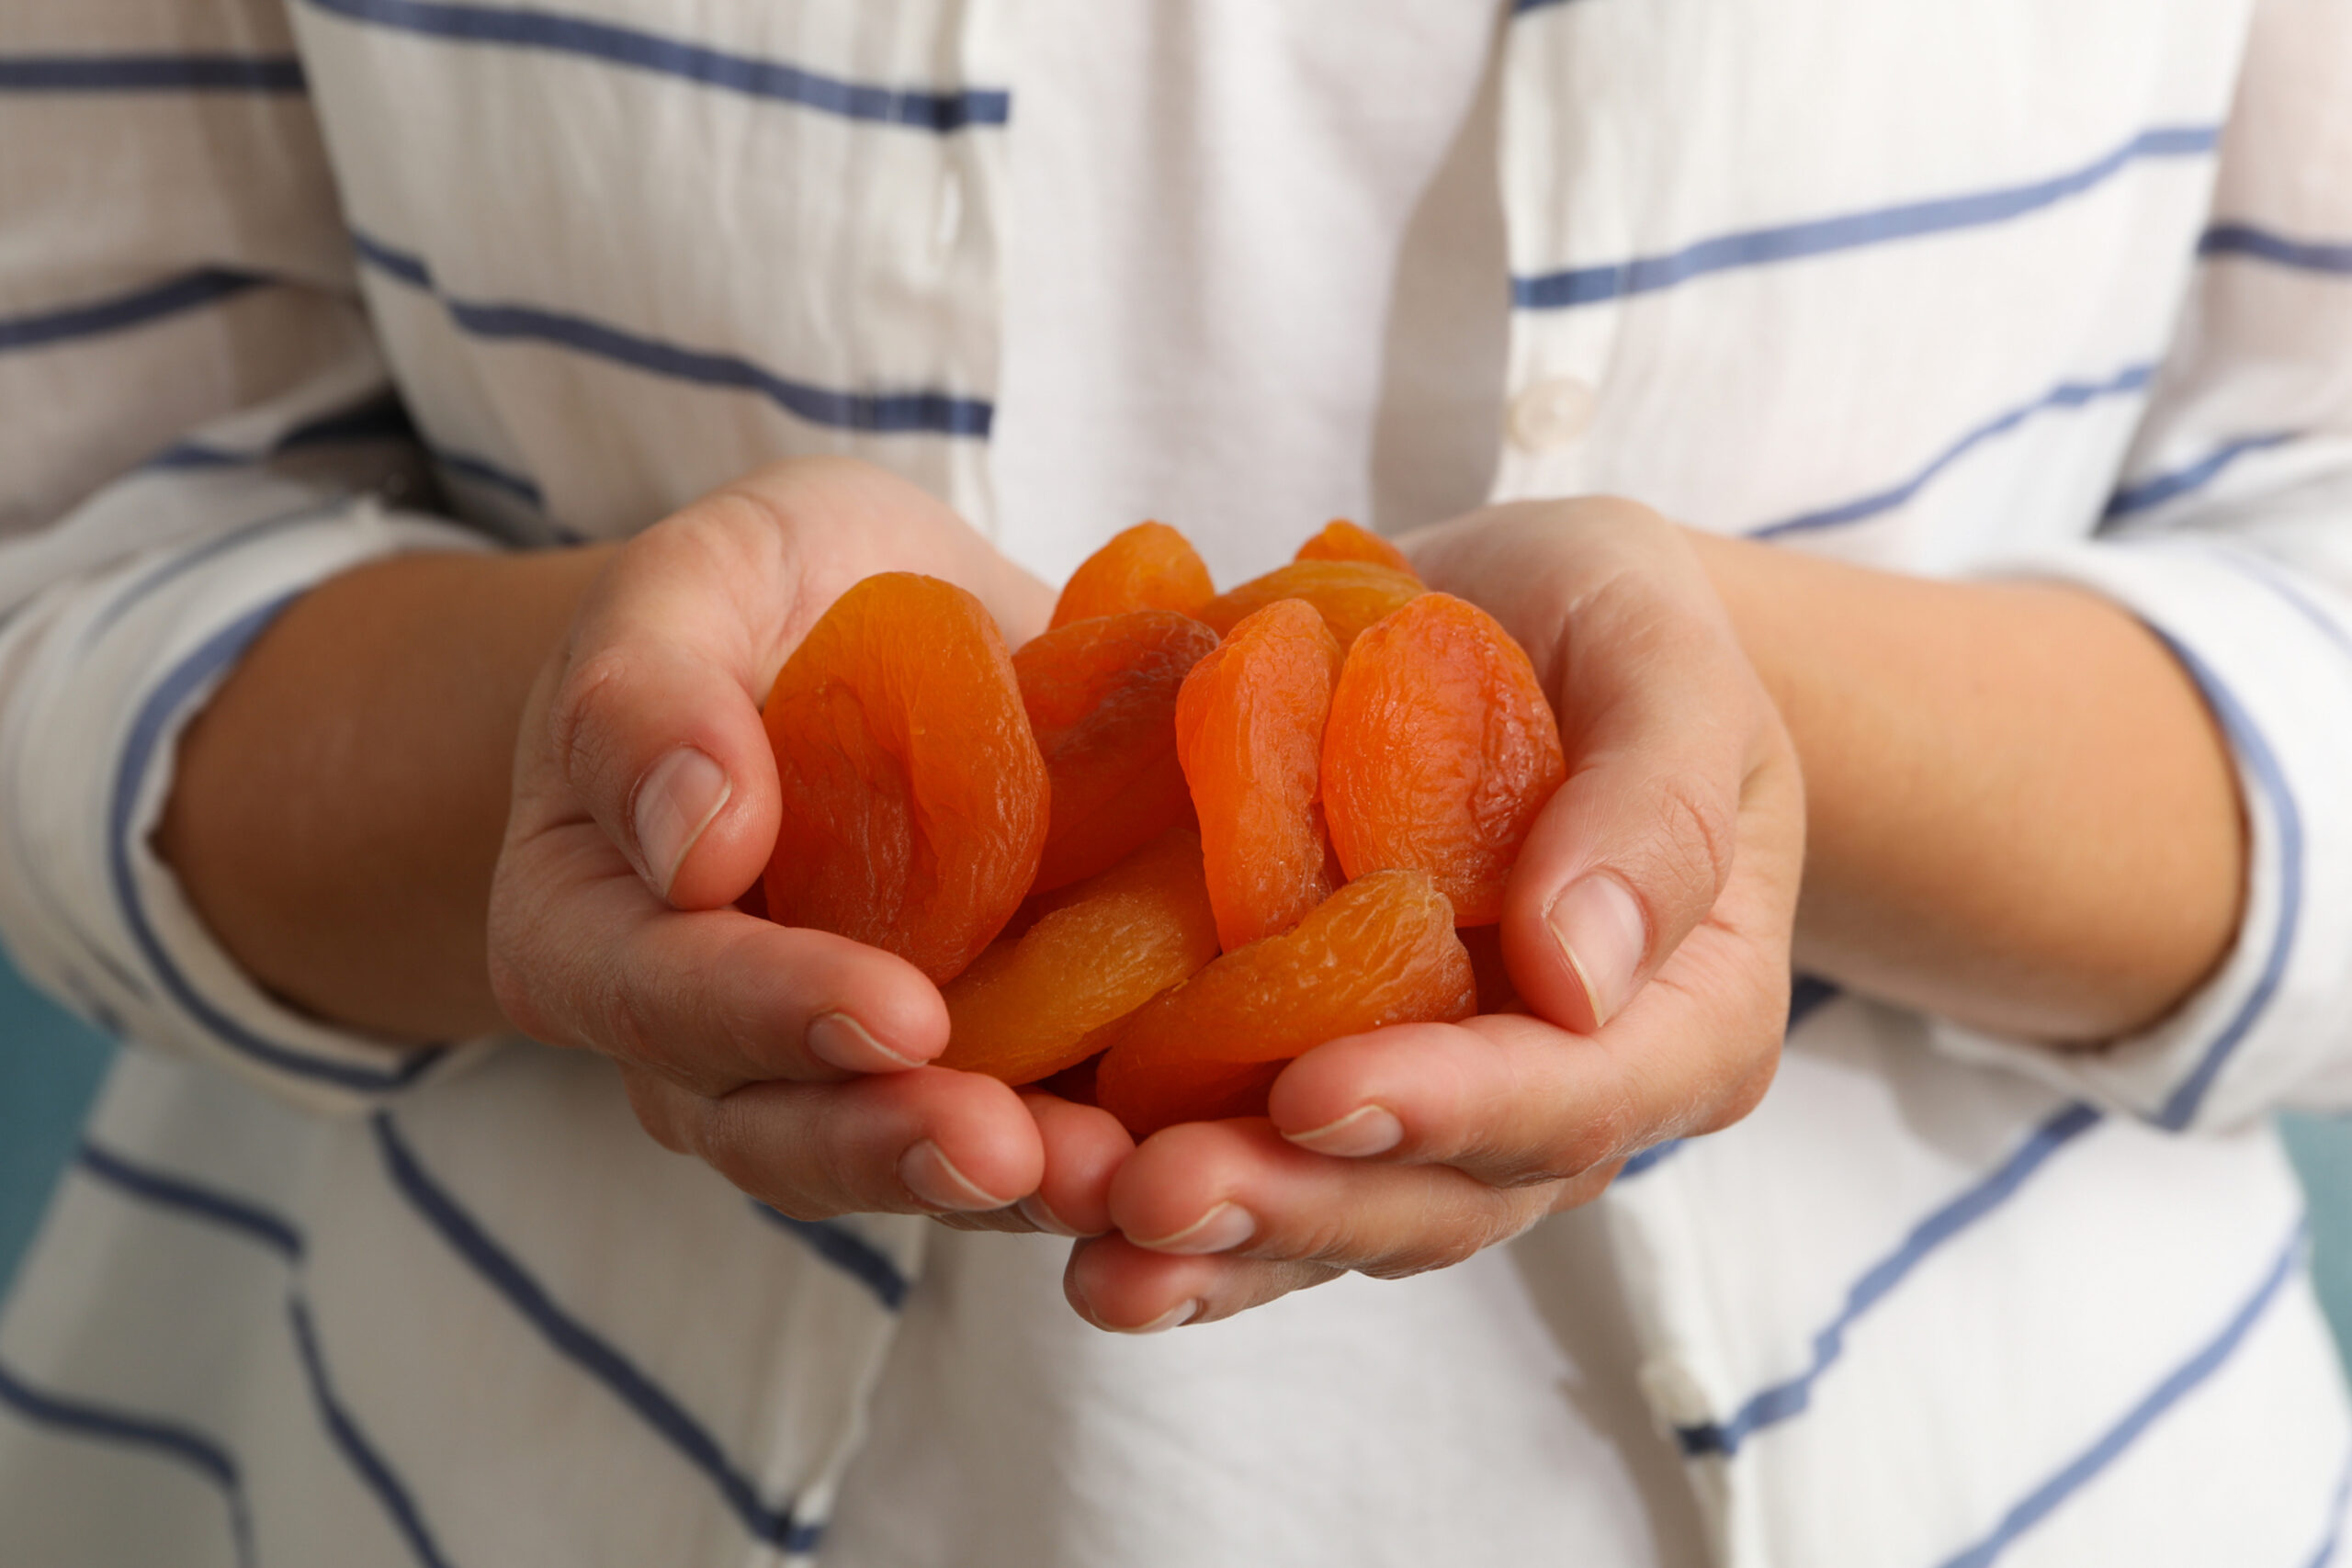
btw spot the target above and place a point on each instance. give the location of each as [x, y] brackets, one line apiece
[97, 679]
[2271, 650]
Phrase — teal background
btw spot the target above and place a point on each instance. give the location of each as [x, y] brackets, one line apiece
[51, 1064]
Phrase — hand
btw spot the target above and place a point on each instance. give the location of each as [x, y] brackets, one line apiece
[645, 804]
[1646, 924]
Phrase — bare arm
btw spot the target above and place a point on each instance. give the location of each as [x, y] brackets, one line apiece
[2021, 814]
[339, 803]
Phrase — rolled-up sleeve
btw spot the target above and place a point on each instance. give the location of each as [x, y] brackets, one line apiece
[2231, 537]
[195, 427]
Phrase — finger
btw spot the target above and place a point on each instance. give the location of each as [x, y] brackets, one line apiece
[1114, 1284]
[1084, 1145]
[1508, 1100]
[1238, 1187]
[1662, 718]
[651, 725]
[929, 1141]
[583, 955]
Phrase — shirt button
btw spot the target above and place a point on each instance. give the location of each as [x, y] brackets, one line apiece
[1551, 415]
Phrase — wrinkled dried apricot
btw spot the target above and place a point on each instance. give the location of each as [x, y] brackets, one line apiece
[1380, 951]
[914, 795]
[1440, 751]
[1350, 594]
[1102, 699]
[1029, 1008]
[1250, 734]
[1147, 566]
[1343, 540]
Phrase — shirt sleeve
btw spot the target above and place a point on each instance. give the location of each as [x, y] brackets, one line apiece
[2231, 537]
[195, 427]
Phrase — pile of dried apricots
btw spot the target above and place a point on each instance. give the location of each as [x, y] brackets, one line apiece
[1180, 837]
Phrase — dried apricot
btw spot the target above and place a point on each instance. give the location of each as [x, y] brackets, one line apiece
[1102, 699]
[1028, 1008]
[1343, 540]
[1350, 594]
[1147, 566]
[1378, 952]
[914, 795]
[1440, 751]
[1250, 734]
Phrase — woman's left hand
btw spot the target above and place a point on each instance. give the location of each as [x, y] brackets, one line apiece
[1646, 927]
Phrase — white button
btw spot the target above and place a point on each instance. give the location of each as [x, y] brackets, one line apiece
[1549, 415]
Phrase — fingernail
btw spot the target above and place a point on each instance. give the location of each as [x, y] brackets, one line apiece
[1174, 1317]
[933, 1178]
[1367, 1130]
[674, 804]
[840, 1041]
[1033, 1208]
[1223, 1228]
[1600, 927]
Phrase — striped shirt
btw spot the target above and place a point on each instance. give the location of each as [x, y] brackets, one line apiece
[2054, 287]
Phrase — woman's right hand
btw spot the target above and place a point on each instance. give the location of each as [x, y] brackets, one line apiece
[645, 804]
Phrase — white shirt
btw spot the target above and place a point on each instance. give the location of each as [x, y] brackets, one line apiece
[1442, 1413]
[1934, 289]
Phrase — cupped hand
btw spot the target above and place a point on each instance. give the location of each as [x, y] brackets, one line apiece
[1646, 927]
[645, 804]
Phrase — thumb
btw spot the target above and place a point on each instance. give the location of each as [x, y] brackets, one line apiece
[1664, 722]
[649, 720]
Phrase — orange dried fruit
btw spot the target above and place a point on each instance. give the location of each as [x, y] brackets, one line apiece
[1440, 751]
[1250, 734]
[1030, 1007]
[1102, 699]
[914, 795]
[1147, 566]
[1380, 951]
[1343, 540]
[1352, 594]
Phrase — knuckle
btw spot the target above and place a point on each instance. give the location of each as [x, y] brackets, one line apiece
[584, 718]
[1697, 836]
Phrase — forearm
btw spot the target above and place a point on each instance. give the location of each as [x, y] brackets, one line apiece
[338, 804]
[2021, 814]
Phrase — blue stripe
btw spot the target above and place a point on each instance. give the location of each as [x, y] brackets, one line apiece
[1781, 1401]
[1520, 8]
[207, 1456]
[361, 1453]
[2253, 564]
[2328, 1542]
[150, 72]
[852, 1254]
[1806, 994]
[582, 1347]
[2065, 395]
[483, 473]
[2158, 489]
[188, 291]
[169, 1192]
[889, 412]
[211, 657]
[2253, 750]
[669, 57]
[378, 419]
[383, 419]
[210, 1206]
[1794, 241]
[2306, 255]
[2044, 1499]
